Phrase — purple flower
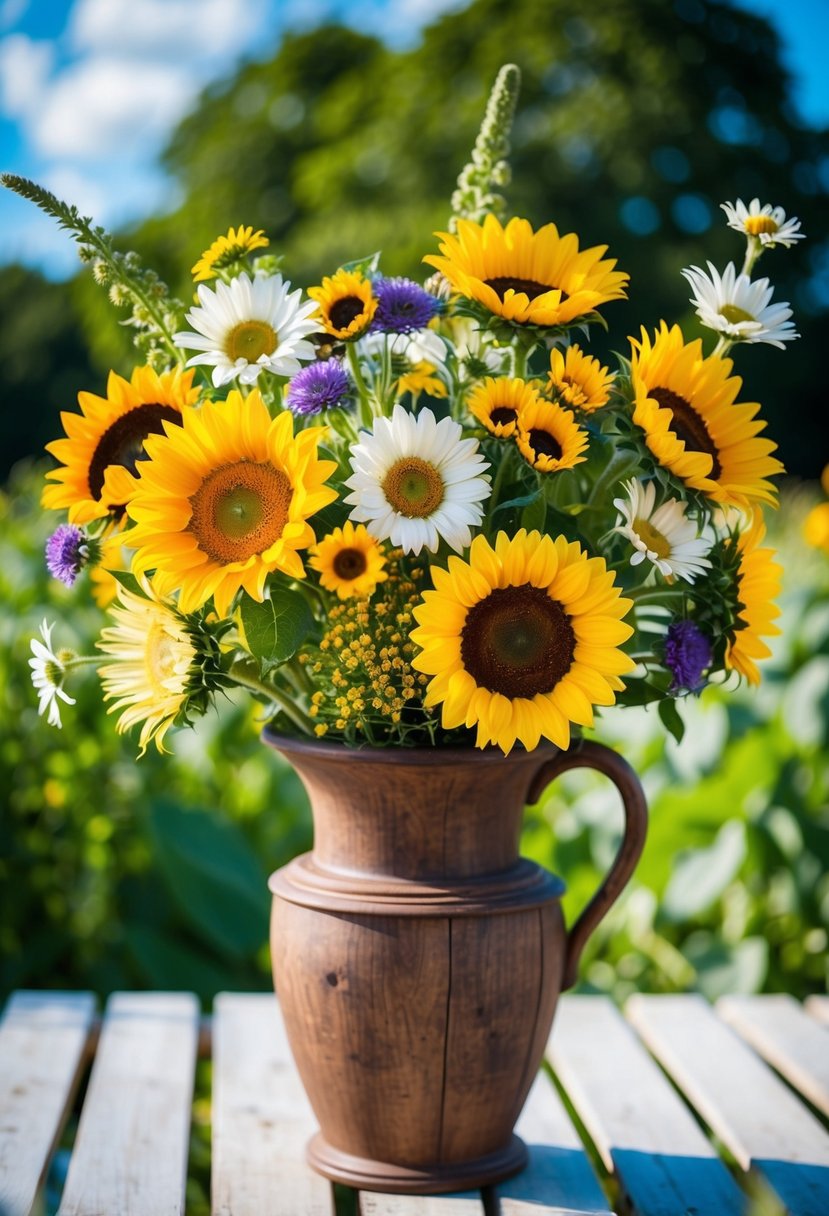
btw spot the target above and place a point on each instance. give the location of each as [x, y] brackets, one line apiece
[319, 386]
[687, 655]
[402, 306]
[66, 553]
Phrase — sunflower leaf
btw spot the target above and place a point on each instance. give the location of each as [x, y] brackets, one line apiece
[671, 719]
[366, 266]
[275, 629]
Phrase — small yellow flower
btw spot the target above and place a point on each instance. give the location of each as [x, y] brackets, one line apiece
[498, 403]
[227, 250]
[579, 380]
[548, 436]
[816, 527]
[346, 304]
[350, 562]
[421, 378]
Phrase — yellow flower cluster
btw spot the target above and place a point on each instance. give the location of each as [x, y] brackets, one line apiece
[362, 665]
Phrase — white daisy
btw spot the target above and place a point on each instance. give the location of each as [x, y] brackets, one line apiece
[665, 535]
[47, 676]
[416, 480]
[248, 325]
[739, 308]
[767, 223]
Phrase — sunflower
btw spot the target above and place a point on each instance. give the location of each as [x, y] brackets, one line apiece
[346, 305]
[548, 437]
[758, 583]
[349, 561]
[225, 499]
[227, 250]
[685, 404]
[521, 640]
[421, 377]
[497, 403]
[579, 380]
[535, 278]
[156, 663]
[106, 440]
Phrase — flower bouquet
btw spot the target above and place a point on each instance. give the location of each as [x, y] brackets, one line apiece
[409, 518]
[399, 513]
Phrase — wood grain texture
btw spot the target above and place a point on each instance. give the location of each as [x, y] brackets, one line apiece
[642, 1129]
[130, 1155]
[750, 1109]
[559, 1180]
[468, 1203]
[261, 1117]
[42, 1041]
[796, 1045]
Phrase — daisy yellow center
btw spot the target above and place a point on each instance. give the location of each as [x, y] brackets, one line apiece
[122, 443]
[413, 487]
[688, 426]
[652, 538]
[545, 444]
[250, 340]
[503, 415]
[518, 642]
[531, 288]
[757, 224]
[350, 563]
[240, 510]
[734, 314]
[342, 312]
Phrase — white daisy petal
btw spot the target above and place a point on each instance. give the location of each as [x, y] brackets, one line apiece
[414, 481]
[768, 224]
[665, 536]
[735, 306]
[47, 676]
[248, 326]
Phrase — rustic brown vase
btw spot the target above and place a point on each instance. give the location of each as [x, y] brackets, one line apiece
[418, 958]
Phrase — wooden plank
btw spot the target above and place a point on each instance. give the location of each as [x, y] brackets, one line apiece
[818, 1007]
[131, 1150]
[559, 1180]
[642, 1129]
[796, 1045]
[467, 1203]
[42, 1041]
[261, 1117]
[751, 1110]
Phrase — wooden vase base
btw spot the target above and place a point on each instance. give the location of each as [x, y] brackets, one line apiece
[368, 1175]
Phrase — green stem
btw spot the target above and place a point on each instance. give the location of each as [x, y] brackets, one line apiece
[290, 709]
[362, 387]
[753, 250]
[642, 595]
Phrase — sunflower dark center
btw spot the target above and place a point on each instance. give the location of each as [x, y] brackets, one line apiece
[350, 563]
[503, 415]
[688, 426]
[122, 443]
[518, 642]
[530, 287]
[342, 312]
[544, 444]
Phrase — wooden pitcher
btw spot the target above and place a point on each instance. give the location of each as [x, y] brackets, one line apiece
[418, 958]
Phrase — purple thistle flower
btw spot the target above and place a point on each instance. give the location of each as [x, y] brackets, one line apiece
[402, 306]
[687, 655]
[319, 386]
[66, 553]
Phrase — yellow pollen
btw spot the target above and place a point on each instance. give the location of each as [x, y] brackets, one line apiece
[413, 487]
[249, 340]
[652, 538]
[757, 224]
[239, 510]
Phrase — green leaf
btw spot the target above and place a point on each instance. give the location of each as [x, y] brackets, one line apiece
[366, 266]
[128, 581]
[638, 692]
[275, 629]
[723, 969]
[524, 500]
[701, 875]
[671, 718]
[170, 966]
[213, 875]
[534, 514]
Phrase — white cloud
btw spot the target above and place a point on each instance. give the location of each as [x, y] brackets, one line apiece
[104, 107]
[169, 29]
[24, 68]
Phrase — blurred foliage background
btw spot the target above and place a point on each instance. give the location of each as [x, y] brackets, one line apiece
[636, 119]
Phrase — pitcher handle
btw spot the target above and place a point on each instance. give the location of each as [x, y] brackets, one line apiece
[612, 765]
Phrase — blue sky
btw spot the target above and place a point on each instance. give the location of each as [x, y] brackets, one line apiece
[91, 89]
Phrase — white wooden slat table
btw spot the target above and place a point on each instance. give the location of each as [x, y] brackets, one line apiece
[612, 1106]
